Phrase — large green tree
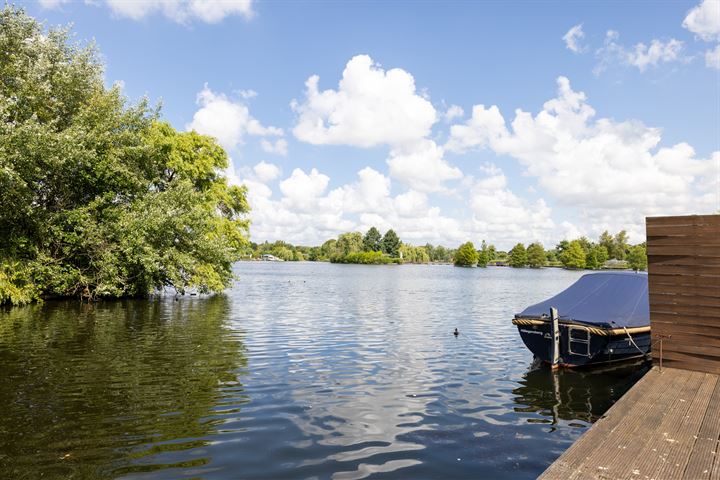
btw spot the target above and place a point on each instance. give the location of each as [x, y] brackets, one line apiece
[573, 255]
[486, 254]
[518, 256]
[596, 257]
[99, 198]
[607, 241]
[620, 245]
[536, 257]
[637, 257]
[371, 240]
[466, 255]
[349, 243]
[391, 243]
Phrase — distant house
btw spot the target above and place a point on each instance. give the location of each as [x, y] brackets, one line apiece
[614, 264]
[266, 257]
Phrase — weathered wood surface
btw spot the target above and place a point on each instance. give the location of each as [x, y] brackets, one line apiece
[666, 427]
[684, 287]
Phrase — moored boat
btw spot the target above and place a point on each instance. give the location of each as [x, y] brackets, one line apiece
[601, 318]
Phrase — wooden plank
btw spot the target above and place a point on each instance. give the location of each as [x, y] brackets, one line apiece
[686, 220]
[686, 300]
[674, 288]
[655, 279]
[685, 238]
[708, 352]
[678, 450]
[625, 444]
[665, 230]
[704, 271]
[655, 450]
[715, 474]
[685, 310]
[670, 435]
[629, 403]
[670, 324]
[683, 260]
[670, 320]
[700, 463]
[654, 389]
[690, 361]
[680, 365]
[689, 339]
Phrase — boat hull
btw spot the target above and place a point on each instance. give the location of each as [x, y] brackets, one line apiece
[582, 345]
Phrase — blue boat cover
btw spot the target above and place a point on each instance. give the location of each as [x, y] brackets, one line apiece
[617, 299]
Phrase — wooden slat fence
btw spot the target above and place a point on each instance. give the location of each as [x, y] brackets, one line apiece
[684, 284]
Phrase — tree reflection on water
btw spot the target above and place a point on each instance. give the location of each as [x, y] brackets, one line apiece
[104, 390]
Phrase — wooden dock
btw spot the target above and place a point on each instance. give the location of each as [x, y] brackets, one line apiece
[666, 427]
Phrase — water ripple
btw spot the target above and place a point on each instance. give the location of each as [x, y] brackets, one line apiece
[302, 370]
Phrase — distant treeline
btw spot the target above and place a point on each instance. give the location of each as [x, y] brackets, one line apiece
[354, 247]
[610, 251]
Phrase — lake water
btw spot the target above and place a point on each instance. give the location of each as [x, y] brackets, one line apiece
[301, 370]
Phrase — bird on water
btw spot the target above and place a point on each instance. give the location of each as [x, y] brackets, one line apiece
[456, 332]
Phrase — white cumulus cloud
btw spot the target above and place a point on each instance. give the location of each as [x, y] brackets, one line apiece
[279, 147]
[613, 173]
[51, 4]
[227, 120]
[704, 20]
[370, 107]
[373, 107]
[182, 11]
[500, 213]
[453, 112]
[640, 56]
[712, 58]
[421, 166]
[266, 172]
[573, 37]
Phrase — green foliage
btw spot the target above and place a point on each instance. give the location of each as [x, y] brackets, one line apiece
[620, 246]
[100, 198]
[486, 254]
[411, 254]
[536, 257]
[551, 257]
[327, 250]
[573, 255]
[518, 256]
[348, 243]
[391, 243]
[607, 241]
[596, 257]
[466, 255]
[372, 240]
[439, 253]
[366, 258]
[637, 257]
[616, 246]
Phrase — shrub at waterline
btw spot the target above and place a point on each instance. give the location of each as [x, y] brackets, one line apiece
[518, 256]
[99, 198]
[466, 255]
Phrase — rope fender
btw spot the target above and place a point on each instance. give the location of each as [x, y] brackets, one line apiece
[605, 332]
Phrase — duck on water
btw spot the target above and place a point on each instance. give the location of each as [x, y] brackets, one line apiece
[601, 318]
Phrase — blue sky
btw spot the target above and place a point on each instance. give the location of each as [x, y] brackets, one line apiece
[631, 127]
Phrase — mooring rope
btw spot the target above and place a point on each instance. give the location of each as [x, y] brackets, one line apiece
[633, 341]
